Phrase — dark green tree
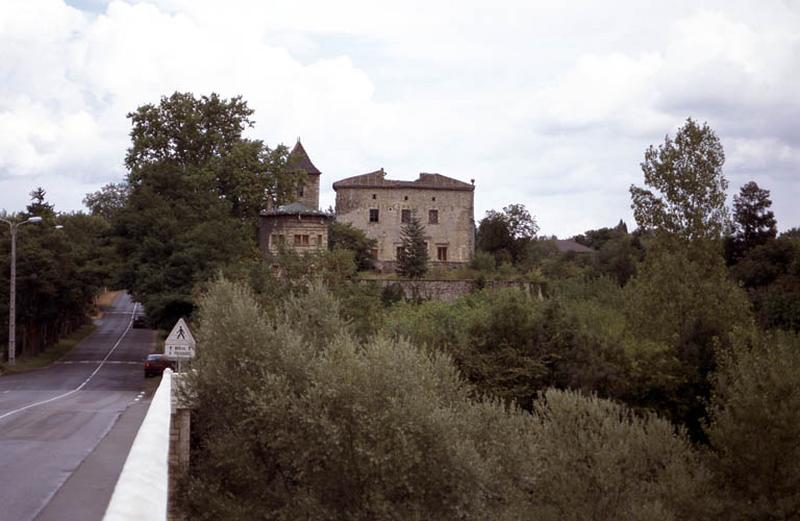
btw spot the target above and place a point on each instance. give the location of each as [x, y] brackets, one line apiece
[754, 428]
[196, 187]
[412, 259]
[108, 201]
[506, 234]
[686, 194]
[346, 236]
[754, 222]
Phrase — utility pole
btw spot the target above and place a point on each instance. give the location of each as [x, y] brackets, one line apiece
[12, 293]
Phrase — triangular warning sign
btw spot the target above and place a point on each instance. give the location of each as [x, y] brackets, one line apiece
[180, 335]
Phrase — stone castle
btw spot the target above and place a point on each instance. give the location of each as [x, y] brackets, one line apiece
[379, 207]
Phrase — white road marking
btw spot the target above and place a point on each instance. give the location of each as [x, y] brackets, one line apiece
[81, 386]
[110, 362]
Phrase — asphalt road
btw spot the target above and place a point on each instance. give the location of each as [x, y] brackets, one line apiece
[65, 430]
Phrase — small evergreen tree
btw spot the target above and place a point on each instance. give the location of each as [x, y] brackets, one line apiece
[412, 258]
[753, 220]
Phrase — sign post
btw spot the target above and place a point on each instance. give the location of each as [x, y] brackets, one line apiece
[180, 343]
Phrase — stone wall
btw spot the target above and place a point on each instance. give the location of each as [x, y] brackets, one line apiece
[450, 290]
[179, 431]
[273, 227]
[455, 229]
[310, 191]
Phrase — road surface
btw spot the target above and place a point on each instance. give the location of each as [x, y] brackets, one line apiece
[65, 430]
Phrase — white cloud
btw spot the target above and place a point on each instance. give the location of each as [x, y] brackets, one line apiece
[546, 103]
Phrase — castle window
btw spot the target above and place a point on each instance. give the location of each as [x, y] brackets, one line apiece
[433, 216]
[399, 252]
[373, 253]
[433, 198]
[405, 198]
[300, 191]
[373, 215]
[298, 239]
[405, 216]
[374, 196]
[305, 240]
[441, 253]
[319, 240]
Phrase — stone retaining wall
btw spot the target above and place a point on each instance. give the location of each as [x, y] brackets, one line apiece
[179, 430]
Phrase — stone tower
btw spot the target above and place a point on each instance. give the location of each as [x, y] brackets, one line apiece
[308, 195]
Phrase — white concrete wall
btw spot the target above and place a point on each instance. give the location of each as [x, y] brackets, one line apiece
[142, 489]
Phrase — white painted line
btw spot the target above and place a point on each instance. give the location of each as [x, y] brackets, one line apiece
[81, 386]
[110, 362]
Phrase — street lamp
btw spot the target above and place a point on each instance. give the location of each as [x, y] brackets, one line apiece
[12, 295]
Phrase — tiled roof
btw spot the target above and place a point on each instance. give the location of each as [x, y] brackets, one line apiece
[568, 245]
[298, 158]
[293, 209]
[378, 179]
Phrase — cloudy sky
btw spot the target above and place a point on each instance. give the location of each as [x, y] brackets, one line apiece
[546, 103]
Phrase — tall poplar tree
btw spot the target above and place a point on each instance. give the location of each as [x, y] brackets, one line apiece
[685, 197]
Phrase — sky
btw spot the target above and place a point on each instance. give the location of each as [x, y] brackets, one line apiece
[546, 103]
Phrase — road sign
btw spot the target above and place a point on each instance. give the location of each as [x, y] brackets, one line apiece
[180, 342]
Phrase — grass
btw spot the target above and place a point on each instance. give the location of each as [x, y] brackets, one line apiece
[51, 354]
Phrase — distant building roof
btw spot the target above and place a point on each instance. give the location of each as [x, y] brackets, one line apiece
[568, 246]
[298, 158]
[426, 181]
[293, 209]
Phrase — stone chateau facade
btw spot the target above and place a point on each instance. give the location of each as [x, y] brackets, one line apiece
[378, 206]
[381, 206]
[299, 225]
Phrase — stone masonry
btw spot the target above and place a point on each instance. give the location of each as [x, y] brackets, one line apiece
[380, 206]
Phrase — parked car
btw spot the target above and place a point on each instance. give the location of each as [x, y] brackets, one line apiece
[138, 322]
[155, 364]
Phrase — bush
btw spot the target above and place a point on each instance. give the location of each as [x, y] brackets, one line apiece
[755, 428]
[294, 419]
[602, 462]
[482, 261]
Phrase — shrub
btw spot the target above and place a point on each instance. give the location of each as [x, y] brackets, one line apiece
[755, 428]
[482, 261]
[602, 462]
[294, 419]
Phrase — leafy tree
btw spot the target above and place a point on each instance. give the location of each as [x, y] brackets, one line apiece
[59, 272]
[755, 427]
[596, 239]
[108, 201]
[412, 260]
[345, 236]
[686, 198]
[618, 252]
[521, 224]
[771, 275]
[196, 187]
[506, 234]
[692, 307]
[792, 233]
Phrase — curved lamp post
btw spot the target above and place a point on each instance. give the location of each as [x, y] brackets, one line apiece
[12, 294]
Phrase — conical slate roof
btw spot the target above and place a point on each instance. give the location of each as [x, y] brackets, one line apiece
[298, 158]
